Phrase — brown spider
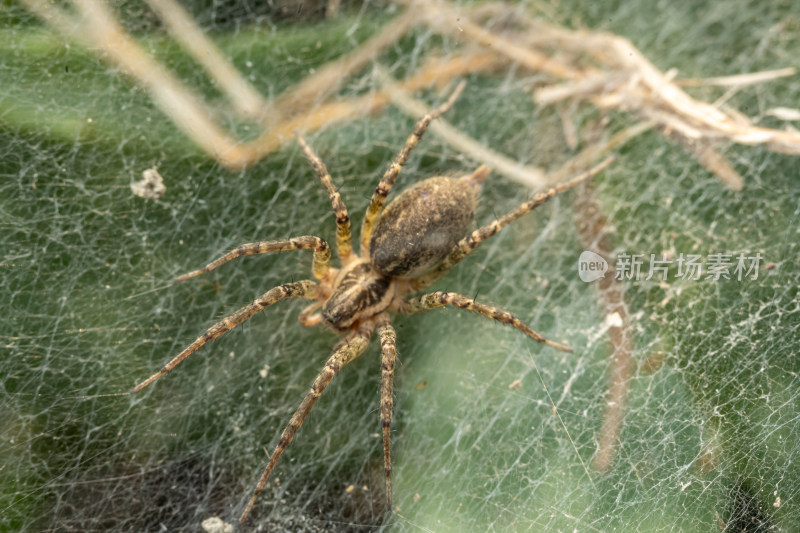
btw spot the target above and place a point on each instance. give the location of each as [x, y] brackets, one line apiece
[422, 234]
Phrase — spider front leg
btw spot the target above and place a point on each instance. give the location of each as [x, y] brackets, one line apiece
[343, 244]
[385, 185]
[388, 339]
[309, 316]
[320, 267]
[348, 349]
[426, 302]
[299, 289]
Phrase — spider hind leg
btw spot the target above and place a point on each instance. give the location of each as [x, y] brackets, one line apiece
[388, 339]
[345, 351]
[432, 300]
[298, 289]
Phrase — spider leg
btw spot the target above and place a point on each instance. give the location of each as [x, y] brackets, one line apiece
[385, 185]
[466, 245]
[388, 339]
[343, 245]
[299, 289]
[308, 317]
[432, 300]
[321, 262]
[348, 349]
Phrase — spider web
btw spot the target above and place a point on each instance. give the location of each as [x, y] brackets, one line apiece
[491, 431]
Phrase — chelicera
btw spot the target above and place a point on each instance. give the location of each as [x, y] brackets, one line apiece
[404, 248]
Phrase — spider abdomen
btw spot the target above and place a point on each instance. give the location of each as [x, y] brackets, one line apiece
[420, 227]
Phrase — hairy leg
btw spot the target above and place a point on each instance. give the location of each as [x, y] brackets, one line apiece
[343, 235]
[299, 289]
[322, 254]
[385, 185]
[308, 316]
[348, 349]
[432, 300]
[388, 339]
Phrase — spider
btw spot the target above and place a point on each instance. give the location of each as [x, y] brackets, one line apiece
[409, 245]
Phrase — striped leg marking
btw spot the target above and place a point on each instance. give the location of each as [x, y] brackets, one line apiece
[348, 349]
[388, 339]
[322, 254]
[343, 244]
[385, 185]
[299, 289]
[426, 302]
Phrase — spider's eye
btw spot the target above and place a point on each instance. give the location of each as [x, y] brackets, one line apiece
[336, 316]
[335, 311]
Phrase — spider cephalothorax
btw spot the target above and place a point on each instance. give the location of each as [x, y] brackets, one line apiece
[411, 244]
[359, 292]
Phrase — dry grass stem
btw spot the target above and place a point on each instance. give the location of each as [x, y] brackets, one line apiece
[634, 84]
[530, 176]
[442, 17]
[438, 71]
[595, 151]
[784, 113]
[603, 69]
[594, 233]
[568, 127]
[714, 162]
[95, 27]
[317, 86]
[739, 80]
[620, 77]
[242, 96]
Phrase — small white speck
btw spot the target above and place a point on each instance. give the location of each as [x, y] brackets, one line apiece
[215, 524]
[151, 187]
[614, 320]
